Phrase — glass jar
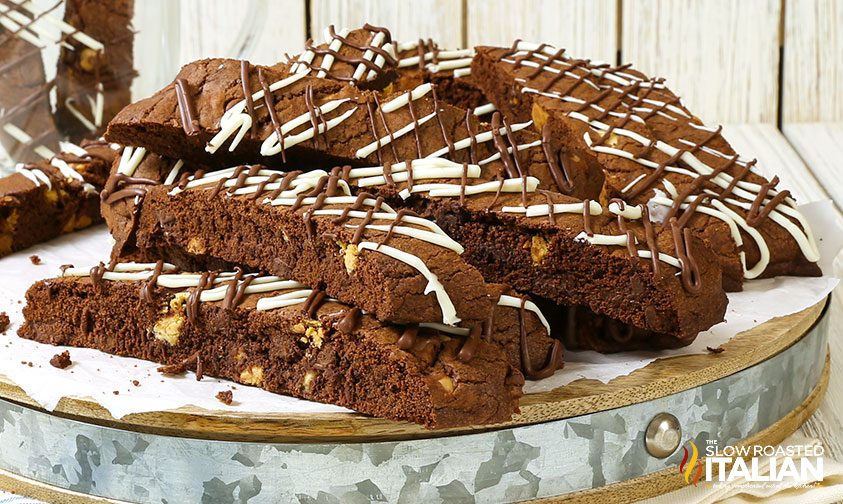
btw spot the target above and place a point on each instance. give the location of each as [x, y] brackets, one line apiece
[68, 66]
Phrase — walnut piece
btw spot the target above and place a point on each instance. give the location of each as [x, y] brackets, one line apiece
[351, 256]
[447, 384]
[169, 328]
[88, 59]
[314, 332]
[10, 223]
[538, 249]
[195, 245]
[307, 381]
[539, 116]
[252, 375]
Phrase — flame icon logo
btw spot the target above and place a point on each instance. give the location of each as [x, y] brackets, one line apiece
[689, 463]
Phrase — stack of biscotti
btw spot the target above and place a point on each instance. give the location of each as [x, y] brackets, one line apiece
[395, 267]
[93, 80]
[654, 151]
[26, 124]
[52, 193]
[540, 242]
[94, 72]
[651, 149]
[372, 181]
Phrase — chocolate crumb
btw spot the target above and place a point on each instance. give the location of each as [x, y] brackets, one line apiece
[4, 322]
[29, 364]
[200, 369]
[136, 383]
[34, 259]
[225, 397]
[717, 350]
[116, 392]
[65, 267]
[183, 366]
[62, 360]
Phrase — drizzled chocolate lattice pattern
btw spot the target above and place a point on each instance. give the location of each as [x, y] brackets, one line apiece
[639, 120]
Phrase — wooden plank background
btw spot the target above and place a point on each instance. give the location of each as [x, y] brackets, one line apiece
[753, 61]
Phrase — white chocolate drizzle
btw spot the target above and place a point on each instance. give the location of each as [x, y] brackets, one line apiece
[36, 176]
[449, 312]
[515, 302]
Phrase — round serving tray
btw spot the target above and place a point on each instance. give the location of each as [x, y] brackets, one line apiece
[579, 439]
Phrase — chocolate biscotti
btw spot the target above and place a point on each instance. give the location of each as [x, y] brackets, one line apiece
[94, 74]
[364, 57]
[309, 227]
[45, 199]
[654, 150]
[27, 130]
[449, 70]
[281, 336]
[206, 117]
[612, 260]
[368, 58]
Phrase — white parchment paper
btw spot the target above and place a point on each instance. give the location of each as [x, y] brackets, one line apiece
[110, 380]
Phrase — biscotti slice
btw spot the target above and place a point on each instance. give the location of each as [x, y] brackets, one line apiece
[278, 335]
[364, 57]
[368, 58]
[205, 117]
[309, 227]
[612, 260]
[45, 199]
[579, 328]
[27, 130]
[654, 150]
[95, 72]
[534, 351]
[449, 70]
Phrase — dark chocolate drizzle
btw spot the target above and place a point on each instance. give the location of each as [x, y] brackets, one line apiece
[110, 194]
[554, 360]
[350, 320]
[269, 100]
[313, 302]
[97, 273]
[148, 287]
[187, 109]
[321, 51]
[193, 300]
[245, 81]
[236, 289]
